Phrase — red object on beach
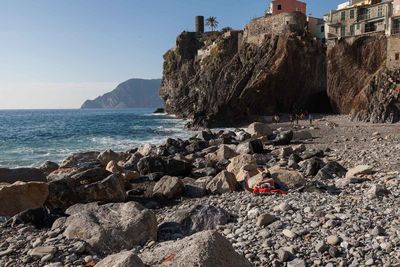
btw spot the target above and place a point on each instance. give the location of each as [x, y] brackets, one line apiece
[268, 190]
[265, 187]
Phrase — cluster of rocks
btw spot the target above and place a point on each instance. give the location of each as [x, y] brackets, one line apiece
[183, 203]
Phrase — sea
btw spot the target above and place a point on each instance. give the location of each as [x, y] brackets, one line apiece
[30, 137]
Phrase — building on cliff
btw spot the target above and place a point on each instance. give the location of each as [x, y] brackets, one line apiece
[287, 6]
[316, 27]
[359, 17]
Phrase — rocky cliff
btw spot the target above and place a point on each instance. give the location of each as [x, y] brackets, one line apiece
[134, 93]
[224, 79]
[358, 81]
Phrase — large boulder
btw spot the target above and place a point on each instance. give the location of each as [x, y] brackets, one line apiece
[192, 220]
[113, 167]
[48, 167]
[194, 188]
[288, 178]
[122, 259]
[111, 228]
[310, 167]
[66, 192]
[106, 156]
[168, 188]
[330, 171]
[208, 248]
[21, 174]
[131, 163]
[359, 170]
[250, 147]
[80, 160]
[246, 171]
[258, 129]
[146, 150]
[224, 182]
[238, 162]
[283, 138]
[224, 152]
[21, 196]
[173, 167]
[255, 180]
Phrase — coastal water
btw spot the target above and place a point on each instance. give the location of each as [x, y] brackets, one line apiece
[30, 137]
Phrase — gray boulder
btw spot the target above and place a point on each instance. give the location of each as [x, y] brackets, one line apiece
[112, 227]
[310, 167]
[168, 188]
[224, 182]
[194, 188]
[192, 220]
[167, 166]
[207, 248]
[66, 192]
[122, 259]
[330, 171]
[11, 176]
[48, 167]
[283, 138]
[80, 159]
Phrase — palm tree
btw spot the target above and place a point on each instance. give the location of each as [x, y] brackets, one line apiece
[212, 23]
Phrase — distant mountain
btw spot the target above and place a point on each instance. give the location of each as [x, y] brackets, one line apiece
[134, 93]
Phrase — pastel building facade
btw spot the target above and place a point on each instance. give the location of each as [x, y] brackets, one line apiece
[360, 17]
[287, 6]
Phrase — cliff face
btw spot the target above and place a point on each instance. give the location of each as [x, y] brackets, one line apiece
[134, 93]
[358, 81]
[227, 79]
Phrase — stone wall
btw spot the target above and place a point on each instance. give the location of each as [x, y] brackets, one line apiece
[393, 53]
[258, 29]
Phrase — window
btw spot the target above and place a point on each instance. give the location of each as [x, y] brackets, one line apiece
[397, 56]
[343, 30]
[352, 14]
[343, 15]
[351, 29]
[358, 26]
[279, 7]
[380, 11]
[322, 29]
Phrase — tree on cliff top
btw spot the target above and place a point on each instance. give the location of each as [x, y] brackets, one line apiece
[212, 23]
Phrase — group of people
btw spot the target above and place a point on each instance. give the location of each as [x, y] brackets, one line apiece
[299, 116]
[295, 117]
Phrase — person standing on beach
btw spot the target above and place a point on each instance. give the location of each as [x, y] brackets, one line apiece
[291, 117]
[310, 118]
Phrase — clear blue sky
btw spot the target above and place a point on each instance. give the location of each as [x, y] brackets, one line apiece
[57, 53]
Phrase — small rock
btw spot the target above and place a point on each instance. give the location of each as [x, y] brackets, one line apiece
[283, 255]
[321, 247]
[265, 219]
[289, 233]
[297, 263]
[333, 240]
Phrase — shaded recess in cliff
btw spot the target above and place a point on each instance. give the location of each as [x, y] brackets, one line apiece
[359, 82]
[225, 79]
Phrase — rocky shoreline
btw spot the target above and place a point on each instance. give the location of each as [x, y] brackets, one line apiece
[182, 203]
